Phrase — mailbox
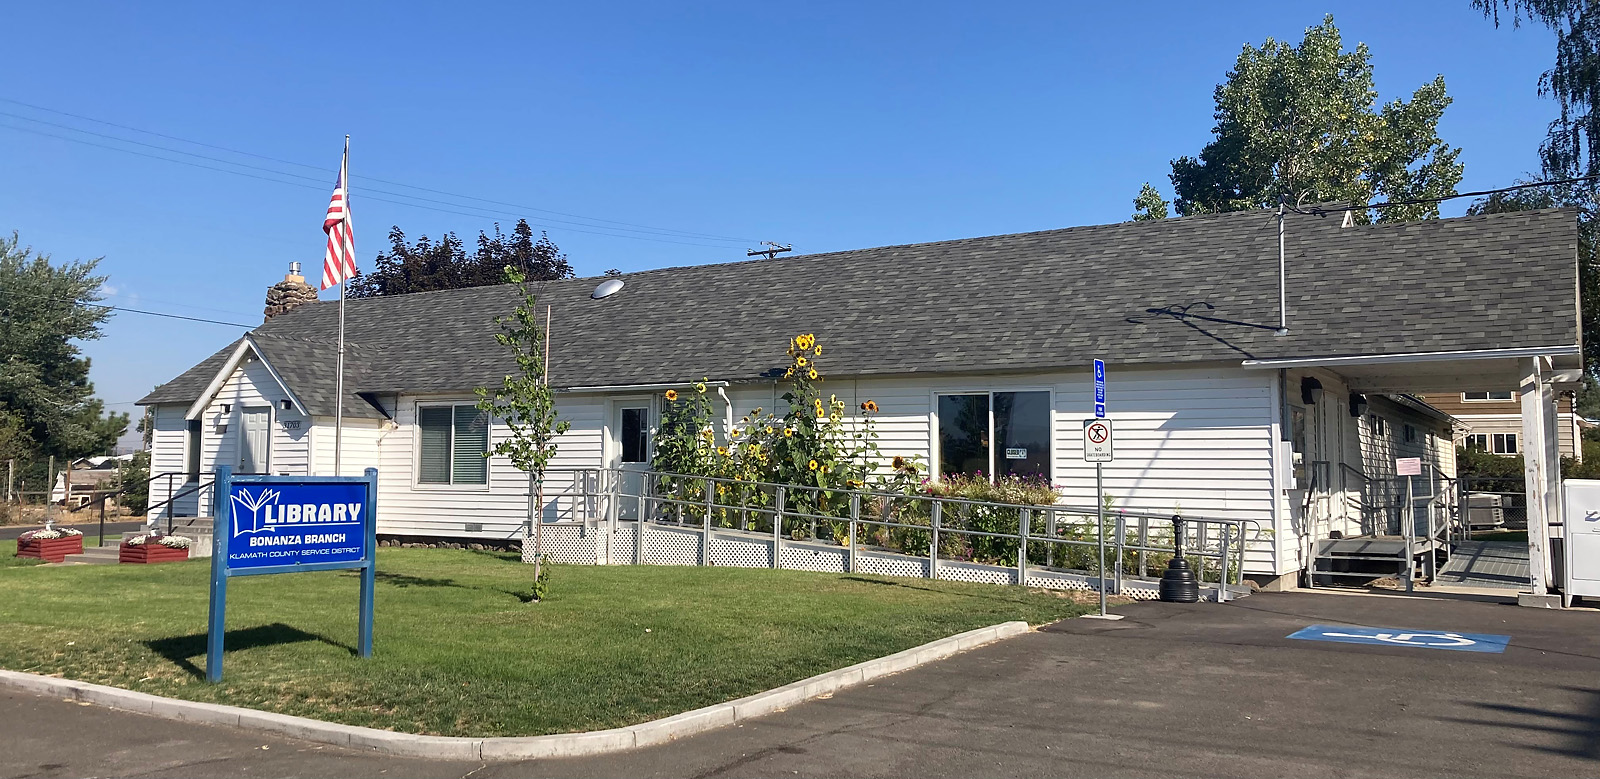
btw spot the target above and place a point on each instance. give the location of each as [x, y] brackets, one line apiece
[1581, 503]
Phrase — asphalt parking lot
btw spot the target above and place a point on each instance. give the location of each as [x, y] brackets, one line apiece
[1172, 690]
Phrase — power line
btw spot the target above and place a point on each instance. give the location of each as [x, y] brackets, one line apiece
[82, 302]
[621, 224]
[479, 213]
[1324, 210]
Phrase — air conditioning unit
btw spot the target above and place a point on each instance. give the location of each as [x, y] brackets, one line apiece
[1485, 509]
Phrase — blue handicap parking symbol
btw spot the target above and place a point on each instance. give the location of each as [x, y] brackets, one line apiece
[1424, 639]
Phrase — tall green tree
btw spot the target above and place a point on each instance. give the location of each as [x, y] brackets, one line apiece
[1569, 149]
[1301, 122]
[47, 404]
[528, 406]
[425, 265]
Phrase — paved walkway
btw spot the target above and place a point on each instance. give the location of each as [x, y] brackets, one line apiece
[1200, 690]
[1500, 564]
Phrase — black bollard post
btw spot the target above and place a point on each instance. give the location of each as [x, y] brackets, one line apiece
[1178, 583]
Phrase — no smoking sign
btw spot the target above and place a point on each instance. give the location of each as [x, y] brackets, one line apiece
[1097, 440]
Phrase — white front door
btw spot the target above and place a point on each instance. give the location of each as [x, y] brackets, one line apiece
[632, 426]
[254, 429]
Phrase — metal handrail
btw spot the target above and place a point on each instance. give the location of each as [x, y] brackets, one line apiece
[599, 491]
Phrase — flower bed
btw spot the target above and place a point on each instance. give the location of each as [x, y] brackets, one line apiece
[150, 548]
[50, 544]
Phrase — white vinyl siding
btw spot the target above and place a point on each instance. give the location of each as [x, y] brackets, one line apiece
[407, 507]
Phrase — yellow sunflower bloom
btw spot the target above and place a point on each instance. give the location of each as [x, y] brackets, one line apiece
[700, 387]
[800, 361]
[817, 351]
[722, 450]
[672, 395]
[813, 465]
[811, 374]
[788, 432]
[769, 429]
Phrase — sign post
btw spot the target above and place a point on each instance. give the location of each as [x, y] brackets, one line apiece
[291, 524]
[1097, 449]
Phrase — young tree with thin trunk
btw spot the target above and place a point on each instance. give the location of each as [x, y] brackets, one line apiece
[527, 404]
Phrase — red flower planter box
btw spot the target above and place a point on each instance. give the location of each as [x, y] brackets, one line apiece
[150, 553]
[51, 550]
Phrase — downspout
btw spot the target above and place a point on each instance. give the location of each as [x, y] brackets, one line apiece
[727, 413]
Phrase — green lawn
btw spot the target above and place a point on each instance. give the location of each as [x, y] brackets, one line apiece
[456, 652]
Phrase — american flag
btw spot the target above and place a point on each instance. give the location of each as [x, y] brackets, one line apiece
[339, 261]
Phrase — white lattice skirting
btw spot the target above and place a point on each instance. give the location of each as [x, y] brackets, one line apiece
[583, 544]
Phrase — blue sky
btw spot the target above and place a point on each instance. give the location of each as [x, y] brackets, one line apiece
[828, 126]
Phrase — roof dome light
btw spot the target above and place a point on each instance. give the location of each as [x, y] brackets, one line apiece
[606, 288]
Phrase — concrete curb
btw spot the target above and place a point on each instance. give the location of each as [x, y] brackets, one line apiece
[513, 747]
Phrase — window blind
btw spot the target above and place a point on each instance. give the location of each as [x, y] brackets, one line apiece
[433, 462]
[471, 442]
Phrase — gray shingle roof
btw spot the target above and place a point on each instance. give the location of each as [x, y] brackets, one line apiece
[1019, 302]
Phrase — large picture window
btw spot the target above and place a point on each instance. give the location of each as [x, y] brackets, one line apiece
[995, 433]
[453, 442]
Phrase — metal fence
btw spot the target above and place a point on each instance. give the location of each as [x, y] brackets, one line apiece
[630, 516]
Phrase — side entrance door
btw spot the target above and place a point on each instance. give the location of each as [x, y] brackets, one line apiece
[254, 439]
[631, 431]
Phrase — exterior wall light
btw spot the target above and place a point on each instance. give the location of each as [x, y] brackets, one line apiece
[1310, 391]
[1358, 405]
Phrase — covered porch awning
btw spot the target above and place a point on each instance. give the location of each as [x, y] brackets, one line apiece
[1536, 372]
[1481, 370]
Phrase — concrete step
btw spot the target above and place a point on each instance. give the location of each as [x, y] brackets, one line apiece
[95, 555]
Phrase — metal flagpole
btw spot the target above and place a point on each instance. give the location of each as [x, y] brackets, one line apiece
[338, 392]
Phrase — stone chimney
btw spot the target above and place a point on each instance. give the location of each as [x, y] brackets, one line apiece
[293, 291]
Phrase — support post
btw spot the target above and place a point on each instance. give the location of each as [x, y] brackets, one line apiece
[1100, 512]
[1540, 471]
[1022, 547]
[215, 620]
[1410, 535]
[777, 527]
[11, 478]
[369, 574]
[1222, 586]
[705, 535]
[933, 541]
[855, 516]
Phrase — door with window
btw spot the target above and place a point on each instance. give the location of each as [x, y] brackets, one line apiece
[254, 439]
[631, 436]
[995, 434]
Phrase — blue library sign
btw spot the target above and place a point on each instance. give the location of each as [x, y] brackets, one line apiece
[291, 524]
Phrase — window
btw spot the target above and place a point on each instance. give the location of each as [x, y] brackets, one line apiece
[1004, 433]
[1504, 443]
[1478, 442]
[1485, 396]
[191, 464]
[635, 435]
[1409, 433]
[453, 442]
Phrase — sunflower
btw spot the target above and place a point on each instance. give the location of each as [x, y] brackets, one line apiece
[870, 405]
[812, 374]
[820, 412]
[788, 432]
[788, 374]
[800, 361]
[898, 463]
[769, 429]
[672, 395]
[734, 433]
[805, 341]
[722, 450]
[817, 351]
[700, 387]
[813, 465]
